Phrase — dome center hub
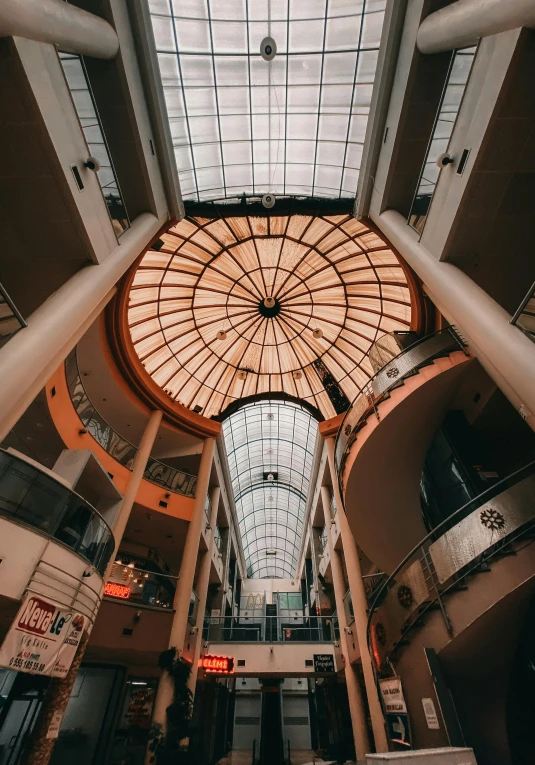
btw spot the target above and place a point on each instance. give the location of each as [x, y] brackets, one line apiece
[269, 307]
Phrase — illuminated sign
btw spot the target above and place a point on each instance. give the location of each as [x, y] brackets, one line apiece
[117, 590]
[221, 664]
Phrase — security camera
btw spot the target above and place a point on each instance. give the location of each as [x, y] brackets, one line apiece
[268, 48]
[92, 163]
[443, 160]
[89, 571]
[268, 200]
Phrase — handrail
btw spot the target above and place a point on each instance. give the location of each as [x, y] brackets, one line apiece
[376, 389]
[114, 444]
[7, 319]
[516, 318]
[489, 493]
[62, 515]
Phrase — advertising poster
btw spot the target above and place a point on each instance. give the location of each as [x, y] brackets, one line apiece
[397, 719]
[43, 638]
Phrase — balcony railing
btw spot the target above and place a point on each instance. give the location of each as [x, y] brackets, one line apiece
[271, 629]
[450, 104]
[90, 122]
[524, 318]
[484, 528]
[10, 319]
[115, 445]
[405, 364]
[37, 500]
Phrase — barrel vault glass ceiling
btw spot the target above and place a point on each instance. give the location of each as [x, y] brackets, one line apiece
[270, 447]
[292, 126]
[200, 325]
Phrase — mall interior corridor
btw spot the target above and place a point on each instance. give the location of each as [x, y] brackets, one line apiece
[267, 382]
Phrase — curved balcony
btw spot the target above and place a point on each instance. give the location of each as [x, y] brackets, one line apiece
[33, 498]
[475, 536]
[390, 376]
[115, 445]
[383, 439]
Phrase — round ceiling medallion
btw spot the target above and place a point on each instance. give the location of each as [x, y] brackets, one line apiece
[301, 299]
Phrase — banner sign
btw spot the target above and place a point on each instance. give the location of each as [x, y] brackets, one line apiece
[43, 638]
[397, 719]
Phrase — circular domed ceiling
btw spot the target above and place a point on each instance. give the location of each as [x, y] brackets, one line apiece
[234, 307]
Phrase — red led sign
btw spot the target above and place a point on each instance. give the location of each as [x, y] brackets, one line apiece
[223, 665]
[117, 590]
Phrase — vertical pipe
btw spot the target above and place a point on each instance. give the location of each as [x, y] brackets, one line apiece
[360, 606]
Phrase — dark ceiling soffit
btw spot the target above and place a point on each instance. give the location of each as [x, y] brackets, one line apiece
[283, 206]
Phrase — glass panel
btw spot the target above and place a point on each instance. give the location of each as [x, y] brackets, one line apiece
[36, 499]
[78, 82]
[450, 104]
[219, 90]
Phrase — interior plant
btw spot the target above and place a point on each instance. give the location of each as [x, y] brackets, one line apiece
[171, 747]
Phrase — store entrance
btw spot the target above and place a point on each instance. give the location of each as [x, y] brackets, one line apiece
[22, 695]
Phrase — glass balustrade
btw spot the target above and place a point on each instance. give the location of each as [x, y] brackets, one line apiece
[271, 629]
[35, 499]
[450, 104]
[140, 581]
[118, 447]
[86, 109]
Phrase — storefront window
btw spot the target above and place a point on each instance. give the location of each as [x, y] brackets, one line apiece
[130, 739]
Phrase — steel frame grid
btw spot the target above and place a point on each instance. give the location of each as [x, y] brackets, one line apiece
[253, 188]
[250, 425]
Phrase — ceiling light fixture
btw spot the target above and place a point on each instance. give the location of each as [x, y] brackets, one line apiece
[221, 335]
[268, 49]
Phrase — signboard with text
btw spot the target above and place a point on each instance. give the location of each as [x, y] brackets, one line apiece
[323, 662]
[222, 665]
[397, 719]
[43, 638]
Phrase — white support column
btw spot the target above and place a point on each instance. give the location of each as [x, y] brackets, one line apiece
[58, 23]
[164, 696]
[28, 360]
[462, 23]
[360, 608]
[203, 580]
[357, 707]
[138, 469]
[507, 353]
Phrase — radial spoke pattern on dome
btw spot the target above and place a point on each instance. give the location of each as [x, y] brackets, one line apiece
[270, 447]
[200, 326]
[243, 125]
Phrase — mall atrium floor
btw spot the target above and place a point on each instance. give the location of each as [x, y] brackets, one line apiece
[267, 382]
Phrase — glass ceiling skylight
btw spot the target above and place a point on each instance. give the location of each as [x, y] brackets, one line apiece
[247, 306]
[270, 447]
[291, 126]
